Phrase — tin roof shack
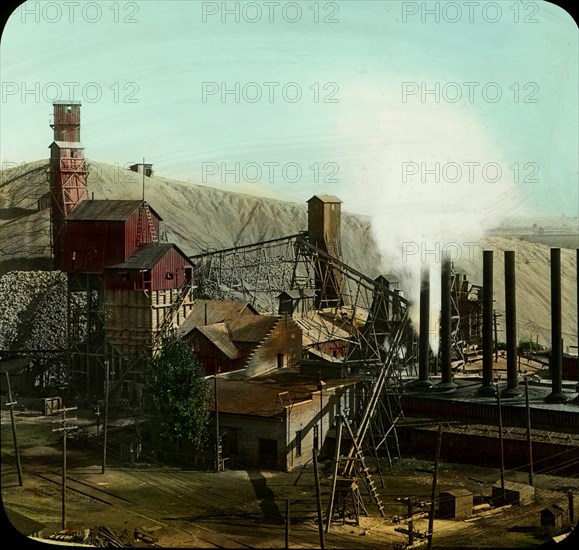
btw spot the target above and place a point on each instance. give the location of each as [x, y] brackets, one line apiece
[153, 284]
[268, 421]
[515, 493]
[552, 516]
[104, 233]
[249, 343]
[455, 504]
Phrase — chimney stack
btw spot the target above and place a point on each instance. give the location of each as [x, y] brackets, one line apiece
[487, 388]
[512, 389]
[556, 363]
[423, 339]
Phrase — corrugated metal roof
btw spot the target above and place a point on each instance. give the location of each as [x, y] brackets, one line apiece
[102, 210]
[219, 335]
[67, 144]
[65, 102]
[326, 198]
[147, 256]
[218, 311]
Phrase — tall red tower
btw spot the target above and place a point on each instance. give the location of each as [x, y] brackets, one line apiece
[68, 172]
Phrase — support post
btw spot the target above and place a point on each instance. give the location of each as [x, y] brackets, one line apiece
[64, 429]
[318, 499]
[336, 469]
[106, 421]
[287, 522]
[11, 404]
[217, 438]
[501, 444]
[529, 438]
[571, 507]
[434, 484]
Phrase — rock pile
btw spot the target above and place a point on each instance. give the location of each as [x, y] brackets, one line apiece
[32, 310]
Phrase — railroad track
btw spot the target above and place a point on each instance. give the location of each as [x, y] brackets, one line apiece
[177, 486]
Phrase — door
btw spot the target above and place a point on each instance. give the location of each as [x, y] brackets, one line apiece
[267, 453]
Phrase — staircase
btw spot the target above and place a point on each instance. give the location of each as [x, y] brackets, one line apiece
[145, 212]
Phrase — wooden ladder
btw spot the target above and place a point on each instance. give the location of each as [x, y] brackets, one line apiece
[362, 466]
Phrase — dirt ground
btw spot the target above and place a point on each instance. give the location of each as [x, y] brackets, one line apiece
[246, 508]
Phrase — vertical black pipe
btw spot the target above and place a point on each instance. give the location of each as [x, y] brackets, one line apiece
[512, 389]
[556, 363]
[446, 382]
[576, 400]
[424, 340]
[487, 387]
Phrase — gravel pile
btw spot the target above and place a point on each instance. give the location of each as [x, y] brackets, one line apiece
[32, 310]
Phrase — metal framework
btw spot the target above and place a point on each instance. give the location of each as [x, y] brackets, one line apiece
[379, 346]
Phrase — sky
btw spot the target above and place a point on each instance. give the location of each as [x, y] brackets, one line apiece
[434, 119]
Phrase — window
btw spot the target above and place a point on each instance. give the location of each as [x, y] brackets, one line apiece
[299, 443]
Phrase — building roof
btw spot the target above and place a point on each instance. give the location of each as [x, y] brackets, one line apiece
[218, 311]
[326, 198]
[458, 492]
[251, 329]
[148, 256]
[554, 509]
[66, 102]
[299, 293]
[317, 328]
[260, 396]
[219, 335]
[104, 210]
[67, 144]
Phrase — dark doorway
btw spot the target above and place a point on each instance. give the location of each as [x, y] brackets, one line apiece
[267, 453]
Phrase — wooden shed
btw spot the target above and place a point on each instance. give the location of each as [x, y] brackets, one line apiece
[515, 493]
[455, 504]
[552, 516]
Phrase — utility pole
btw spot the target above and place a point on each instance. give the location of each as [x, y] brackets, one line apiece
[434, 484]
[529, 438]
[318, 497]
[106, 422]
[218, 449]
[64, 429]
[502, 449]
[11, 404]
[287, 522]
[496, 335]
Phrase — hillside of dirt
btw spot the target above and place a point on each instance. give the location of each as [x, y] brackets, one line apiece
[198, 218]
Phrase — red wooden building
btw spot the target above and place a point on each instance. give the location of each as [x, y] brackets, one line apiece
[104, 233]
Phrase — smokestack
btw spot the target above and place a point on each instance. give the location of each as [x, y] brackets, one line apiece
[576, 400]
[487, 388]
[512, 389]
[445, 327]
[556, 363]
[423, 338]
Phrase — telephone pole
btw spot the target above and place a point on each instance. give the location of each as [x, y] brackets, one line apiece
[64, 429]
[11, 404]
